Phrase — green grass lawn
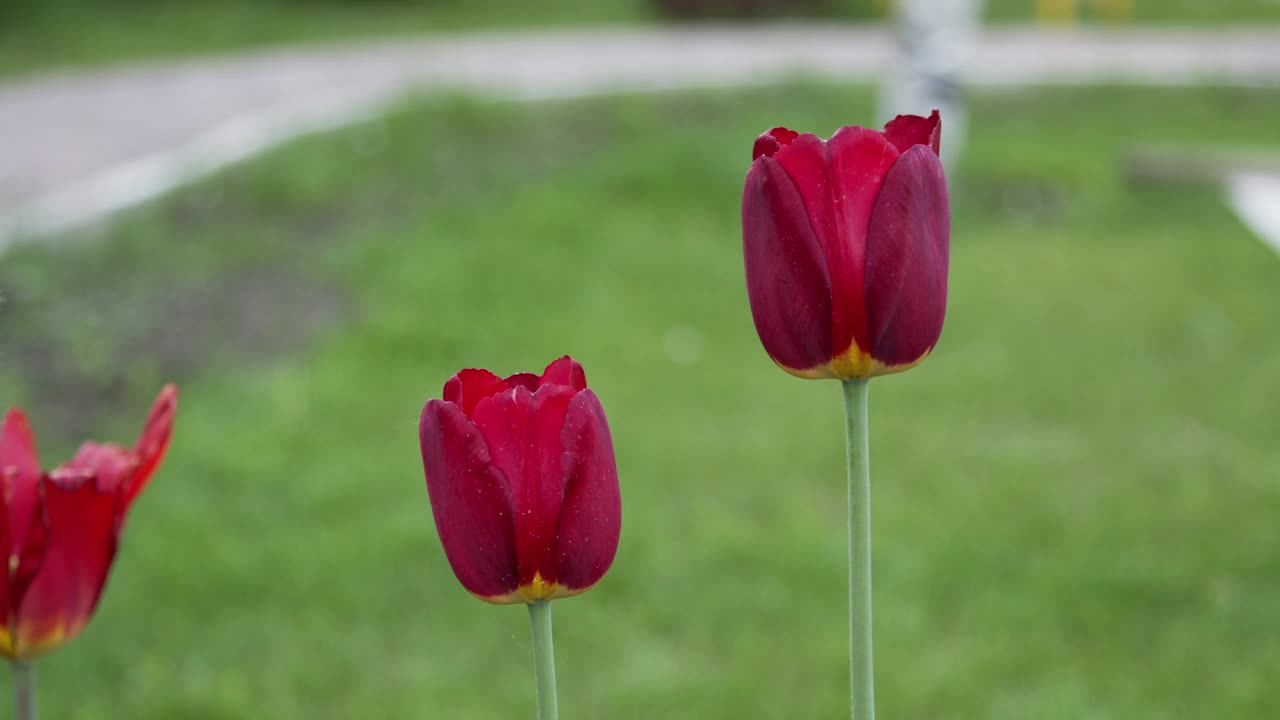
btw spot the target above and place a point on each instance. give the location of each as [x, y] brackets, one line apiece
[44, 34]
[1075, 497]
[86, 32]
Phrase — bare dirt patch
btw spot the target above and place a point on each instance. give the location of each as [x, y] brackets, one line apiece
[80, 350]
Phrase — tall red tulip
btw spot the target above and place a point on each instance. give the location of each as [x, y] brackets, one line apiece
[846, 246]
[60, 529]
[522, 481]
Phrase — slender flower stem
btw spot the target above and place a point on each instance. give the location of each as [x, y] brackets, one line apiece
[24, 690]
[544, 659]
[861, 673]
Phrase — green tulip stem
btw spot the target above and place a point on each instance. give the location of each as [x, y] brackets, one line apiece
[861, 672]
[24, 690]
[544, 659]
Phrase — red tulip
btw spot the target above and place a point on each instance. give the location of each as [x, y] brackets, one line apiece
[522, 482]
[59, 530]
[846, 246]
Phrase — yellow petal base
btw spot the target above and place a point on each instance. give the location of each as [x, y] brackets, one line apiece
[535, 590]
[25, 648]
[853, 364]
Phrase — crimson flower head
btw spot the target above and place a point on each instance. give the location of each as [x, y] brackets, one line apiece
[846, 246]
[523, 484]
[59, 530]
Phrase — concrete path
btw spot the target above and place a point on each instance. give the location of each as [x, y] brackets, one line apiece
[1256, 199]
[75, 146]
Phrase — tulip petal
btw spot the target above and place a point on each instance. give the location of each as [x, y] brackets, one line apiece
[18, 444]
[470, 386]
[20, 470]
[905, 131]
[7, 586]
[857, 161]
[772, 141]
[111, 465]
[788, 284]
[565, 371]
[22, 562]
[83, 532]
[591, 515]
[153, 442]
[522, 432]
[908, 252]
[528, 381]
[470, 501]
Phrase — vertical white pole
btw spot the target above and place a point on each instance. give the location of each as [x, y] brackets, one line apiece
[936, 38]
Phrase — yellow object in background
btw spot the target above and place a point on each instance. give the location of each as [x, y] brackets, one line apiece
[1060, 12]
[1112, 9]
[1056, 11]
[1068, 11]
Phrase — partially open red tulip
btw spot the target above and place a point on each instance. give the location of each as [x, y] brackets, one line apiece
[846, 245]
[523, 484]
[59, 530]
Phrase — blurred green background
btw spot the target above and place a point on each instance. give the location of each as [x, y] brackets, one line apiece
[1075, 497]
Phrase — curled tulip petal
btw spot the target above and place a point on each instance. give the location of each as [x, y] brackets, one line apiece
[130, 469]
[772, 141]
[905, 131]
[154, 441]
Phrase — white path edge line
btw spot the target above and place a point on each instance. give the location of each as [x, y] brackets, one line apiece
[244, 136]
[1256, 199]
[137, 181]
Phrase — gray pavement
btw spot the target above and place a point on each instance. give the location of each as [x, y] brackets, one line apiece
[77, 145]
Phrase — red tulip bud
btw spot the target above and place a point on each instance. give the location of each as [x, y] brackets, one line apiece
[846, 247]
[523, 484]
